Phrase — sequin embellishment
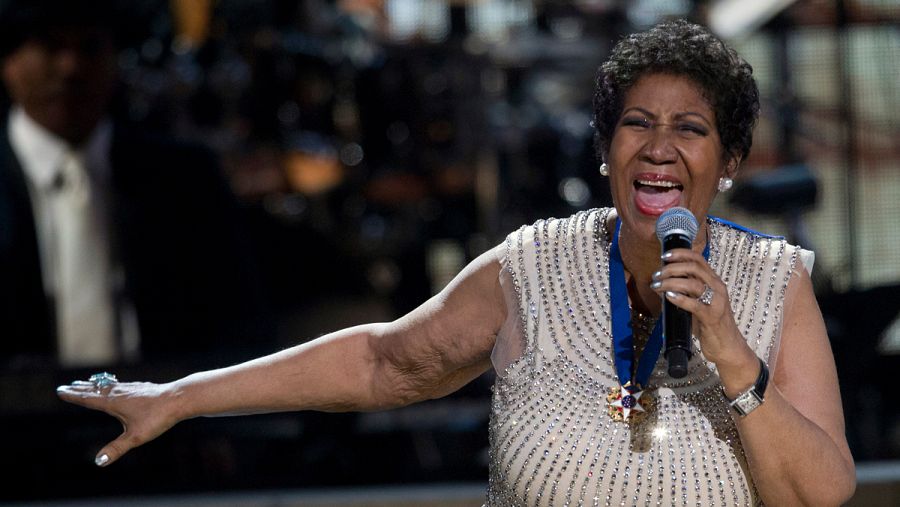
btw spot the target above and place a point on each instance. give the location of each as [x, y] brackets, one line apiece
[551, 440]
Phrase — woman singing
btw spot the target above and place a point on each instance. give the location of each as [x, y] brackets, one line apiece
[567, 311]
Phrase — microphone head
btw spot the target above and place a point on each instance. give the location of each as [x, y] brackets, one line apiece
[677, 220]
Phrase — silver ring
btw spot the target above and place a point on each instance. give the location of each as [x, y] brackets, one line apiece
[103, 380]
[706, 297]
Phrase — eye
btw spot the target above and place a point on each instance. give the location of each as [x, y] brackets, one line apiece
[636, 121]
[688, 129]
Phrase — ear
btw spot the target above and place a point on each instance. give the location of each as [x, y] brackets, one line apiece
[732, 165]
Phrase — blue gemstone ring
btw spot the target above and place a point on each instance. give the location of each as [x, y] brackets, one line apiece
[103, 380]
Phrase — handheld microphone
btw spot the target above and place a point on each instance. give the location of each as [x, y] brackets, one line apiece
[676, 228]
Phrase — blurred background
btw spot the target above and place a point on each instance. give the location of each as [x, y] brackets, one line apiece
[376, 146]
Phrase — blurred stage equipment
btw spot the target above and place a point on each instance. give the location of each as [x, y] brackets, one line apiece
[732, 19]
[786, 191]
[192, 19]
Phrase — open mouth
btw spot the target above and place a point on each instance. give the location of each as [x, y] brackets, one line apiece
[654, 195]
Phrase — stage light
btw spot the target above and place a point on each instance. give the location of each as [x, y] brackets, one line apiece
[731, 19]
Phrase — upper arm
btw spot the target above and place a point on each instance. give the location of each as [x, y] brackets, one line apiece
[805, 372]
[447, 341]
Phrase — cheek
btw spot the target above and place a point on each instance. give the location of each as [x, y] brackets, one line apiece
[12, 75]
[706, 162]
[620, 188]
[618, 147]
[625, 145]
[705, 184]
[22, 75]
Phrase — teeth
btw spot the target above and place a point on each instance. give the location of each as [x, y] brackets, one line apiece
[664, 184]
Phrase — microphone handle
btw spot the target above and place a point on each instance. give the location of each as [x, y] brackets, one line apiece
[676, 321]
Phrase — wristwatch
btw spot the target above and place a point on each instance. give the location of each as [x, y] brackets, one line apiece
[748, 400]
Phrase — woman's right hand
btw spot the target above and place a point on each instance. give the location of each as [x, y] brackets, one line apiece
[145, 410]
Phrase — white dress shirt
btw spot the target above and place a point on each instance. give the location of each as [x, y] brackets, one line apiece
[69, 189]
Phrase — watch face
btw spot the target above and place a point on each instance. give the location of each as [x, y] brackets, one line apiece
[746, 402]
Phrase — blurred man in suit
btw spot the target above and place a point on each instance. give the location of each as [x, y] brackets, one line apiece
[115, 244]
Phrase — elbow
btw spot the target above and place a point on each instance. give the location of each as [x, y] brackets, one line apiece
[846, 487]
[845, 484]
[850, 491]
[392, 391]
[833, 488]
[393, 383]
[836, 492]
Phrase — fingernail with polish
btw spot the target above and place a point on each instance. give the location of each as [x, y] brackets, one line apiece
[672, 295]
[657, 275]
[101, 460]
[667, 255]
[655, 285]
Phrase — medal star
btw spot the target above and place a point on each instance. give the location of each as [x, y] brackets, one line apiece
[628, 401]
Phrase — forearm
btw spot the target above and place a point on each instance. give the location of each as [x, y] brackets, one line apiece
[792, 460]
[333, 373]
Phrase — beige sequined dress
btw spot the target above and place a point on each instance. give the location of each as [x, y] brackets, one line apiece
[551, 439]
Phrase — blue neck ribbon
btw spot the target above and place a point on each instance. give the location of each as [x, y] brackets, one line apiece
[622, 330]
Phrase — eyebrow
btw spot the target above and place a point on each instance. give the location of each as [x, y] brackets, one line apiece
[678, 116]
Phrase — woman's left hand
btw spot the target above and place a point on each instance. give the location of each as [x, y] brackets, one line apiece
[682, 281]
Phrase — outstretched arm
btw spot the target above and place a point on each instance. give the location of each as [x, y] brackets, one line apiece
[430, 352]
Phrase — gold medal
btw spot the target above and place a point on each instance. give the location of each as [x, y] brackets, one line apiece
[628, 403]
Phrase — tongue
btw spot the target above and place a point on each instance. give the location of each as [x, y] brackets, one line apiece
[656, 198]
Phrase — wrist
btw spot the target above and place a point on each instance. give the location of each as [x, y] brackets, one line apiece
[738, 372]
[177, 404]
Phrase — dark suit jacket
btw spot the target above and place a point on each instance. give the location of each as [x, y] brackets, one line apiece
[176, 234]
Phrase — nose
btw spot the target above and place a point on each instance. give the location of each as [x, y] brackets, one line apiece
[660, 147]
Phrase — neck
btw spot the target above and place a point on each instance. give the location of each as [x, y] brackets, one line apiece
[641, 260]
[639, 255]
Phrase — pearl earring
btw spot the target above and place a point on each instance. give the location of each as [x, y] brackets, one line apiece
[604, 169]
[725, 184]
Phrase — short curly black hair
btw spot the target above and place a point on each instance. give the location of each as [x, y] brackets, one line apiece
[685, 49]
